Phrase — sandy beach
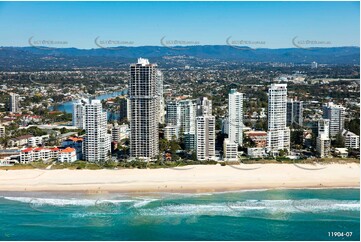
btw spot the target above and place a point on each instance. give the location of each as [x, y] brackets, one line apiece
[200, 178]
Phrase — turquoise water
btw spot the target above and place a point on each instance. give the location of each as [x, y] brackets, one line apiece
[68, 106]
[249, 215]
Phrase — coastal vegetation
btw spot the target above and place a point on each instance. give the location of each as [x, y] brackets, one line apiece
[138, 164]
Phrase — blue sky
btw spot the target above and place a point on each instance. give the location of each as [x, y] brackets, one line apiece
[271, 24]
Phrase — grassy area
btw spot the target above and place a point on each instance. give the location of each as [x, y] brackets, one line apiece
[17, 167]
[162, 164]
[304, 161]
[32, 165]
[79, 165]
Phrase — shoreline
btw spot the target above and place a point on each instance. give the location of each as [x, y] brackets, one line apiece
[192, 179]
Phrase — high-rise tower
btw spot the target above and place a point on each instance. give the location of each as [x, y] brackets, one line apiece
[235, 117]
[278, 136]
[336, 115]
[144, 98]
[294, 112]
[14, 102]
[97, 140]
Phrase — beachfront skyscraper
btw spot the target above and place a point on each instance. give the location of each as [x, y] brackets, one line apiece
[336, 115]
[323, 142]
[205, 137]
[235, 117]
[14, 102]
[144, 105]
[97, 140]
[278, 135]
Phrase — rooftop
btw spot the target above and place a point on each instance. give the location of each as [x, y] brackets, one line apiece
[67, 150]
[143, 61]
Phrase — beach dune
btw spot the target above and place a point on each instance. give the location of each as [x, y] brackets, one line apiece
[198, 178]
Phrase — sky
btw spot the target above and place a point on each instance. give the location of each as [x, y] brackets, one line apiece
[89, 25]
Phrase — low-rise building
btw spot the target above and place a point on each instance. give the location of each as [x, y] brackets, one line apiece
[75, 143]
[35, 141]
[67, 155]
[9, 153]
[34, 154]
[258, 137]
[19, 141]
[352, 140]
[63, 137]
[256, 152]
[341, 152]
[230, 150]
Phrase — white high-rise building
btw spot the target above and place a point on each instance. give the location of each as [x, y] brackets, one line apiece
[161, 97]
[205, 137]
[14, 102]
[336, 115]
[79, 113]
[186, 116]
[323, 142]
[204, 106]
[235, 117]
[144, 98]
[186, 122]
[278, 135]
[324, 128]
[97, 140]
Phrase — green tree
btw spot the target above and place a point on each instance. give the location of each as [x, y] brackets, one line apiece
[283, 152]
[353, 125]
[194, 156]
[261, 124]
[339, 141]
[297, 137]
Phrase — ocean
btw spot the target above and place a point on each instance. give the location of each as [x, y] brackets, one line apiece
[292, 214]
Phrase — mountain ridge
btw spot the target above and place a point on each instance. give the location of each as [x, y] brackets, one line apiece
[26, 56]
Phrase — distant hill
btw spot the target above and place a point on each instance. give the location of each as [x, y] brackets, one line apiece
[31, 57]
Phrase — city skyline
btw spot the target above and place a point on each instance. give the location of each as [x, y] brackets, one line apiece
[180, 121]
[258, 24]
